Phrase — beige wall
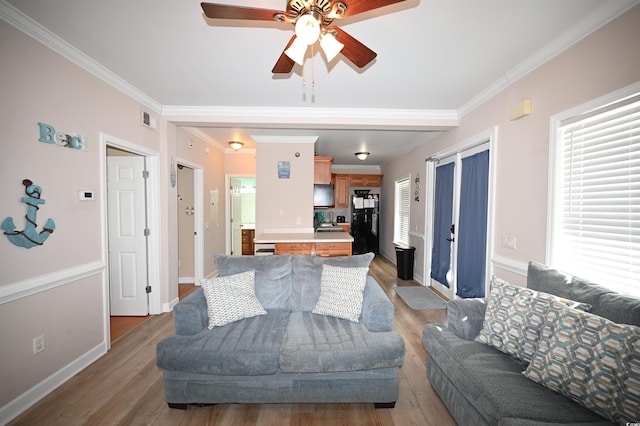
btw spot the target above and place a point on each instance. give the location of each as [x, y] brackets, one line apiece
[605, 61]
[284, 204]
[38, 85]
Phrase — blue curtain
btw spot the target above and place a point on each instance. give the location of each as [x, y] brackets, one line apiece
[472, 232]
[441, 253]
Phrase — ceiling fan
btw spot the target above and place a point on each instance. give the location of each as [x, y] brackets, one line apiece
[313, 21]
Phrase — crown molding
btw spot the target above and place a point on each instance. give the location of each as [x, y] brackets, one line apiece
[33, 29]
[596, 20]
[408, 119]
[284, 139]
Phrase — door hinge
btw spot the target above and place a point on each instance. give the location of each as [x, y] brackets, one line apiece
[145, 174]
[147, 232]
[148, 289]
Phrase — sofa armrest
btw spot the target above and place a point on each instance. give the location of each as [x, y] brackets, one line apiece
[190, 314]
[465, 317]
[377, 309]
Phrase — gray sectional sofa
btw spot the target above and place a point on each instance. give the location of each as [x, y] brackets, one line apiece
[289, 354]
[481, 385]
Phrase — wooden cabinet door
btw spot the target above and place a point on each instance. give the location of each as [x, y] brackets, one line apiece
[294, 248]
[322, 169]
[374, 181]
[333, 249]
[341, 190]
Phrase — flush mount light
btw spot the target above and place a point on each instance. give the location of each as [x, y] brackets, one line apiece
[362, 155]
[236, 145]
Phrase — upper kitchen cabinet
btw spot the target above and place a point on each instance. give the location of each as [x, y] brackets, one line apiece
[365, 180]
[341, 191]
[322, 169]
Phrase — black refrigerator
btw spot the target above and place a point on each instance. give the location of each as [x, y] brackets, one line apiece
[365, 222]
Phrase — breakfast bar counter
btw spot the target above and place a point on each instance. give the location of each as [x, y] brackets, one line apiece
[318, 243]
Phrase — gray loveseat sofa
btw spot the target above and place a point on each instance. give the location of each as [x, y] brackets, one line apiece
[289, 355]
[483, 386]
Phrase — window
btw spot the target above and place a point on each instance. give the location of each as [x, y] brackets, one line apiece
[595, 205]
[401, 211]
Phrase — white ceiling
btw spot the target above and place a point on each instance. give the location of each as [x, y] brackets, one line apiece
[436, 59]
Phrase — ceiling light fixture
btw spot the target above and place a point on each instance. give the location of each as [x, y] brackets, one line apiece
[236, 145]
[309, 28]
[362, 155]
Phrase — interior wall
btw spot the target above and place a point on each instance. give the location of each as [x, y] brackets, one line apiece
[284, 203]
[55, 289]
[603, 62]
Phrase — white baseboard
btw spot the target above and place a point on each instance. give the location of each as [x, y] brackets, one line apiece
[23, 402]
[186, 280]
[168, 307]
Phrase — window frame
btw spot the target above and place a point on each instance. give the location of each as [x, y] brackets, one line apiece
[398, 210]
[559, 122]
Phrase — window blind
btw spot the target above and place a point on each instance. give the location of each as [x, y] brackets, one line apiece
[598, 221]
[401, 223]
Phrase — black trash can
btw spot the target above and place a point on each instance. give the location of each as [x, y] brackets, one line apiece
[404, 260]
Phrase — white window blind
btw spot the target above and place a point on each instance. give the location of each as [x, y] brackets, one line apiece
[596, 229]
[402, 206]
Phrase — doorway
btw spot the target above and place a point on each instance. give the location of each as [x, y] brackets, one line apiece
[131, 249]
[186, 225]
[242, 214]
[459, 219]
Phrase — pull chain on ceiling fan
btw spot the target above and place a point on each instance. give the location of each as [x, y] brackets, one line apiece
[312, 21]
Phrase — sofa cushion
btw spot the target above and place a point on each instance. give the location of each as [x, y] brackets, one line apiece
[514, 318]
[307, 274]
[591, 360]
[247, 348]
[272, 280]
[231, 298]
[494, 384]
[604, 302]
[341, 292]
[320, 344]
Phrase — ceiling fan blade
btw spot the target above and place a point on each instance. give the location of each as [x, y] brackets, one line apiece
[221, 11]
[358, 6]
[353, 50]
[285, 64]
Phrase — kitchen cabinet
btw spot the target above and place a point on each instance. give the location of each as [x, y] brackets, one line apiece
[365, 180]
[247, 241]
[320, 249]
[333, 249]
[322, 169]
[341, 190]
[346, 227]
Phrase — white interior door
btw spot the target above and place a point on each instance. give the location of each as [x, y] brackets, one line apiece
[127, 240]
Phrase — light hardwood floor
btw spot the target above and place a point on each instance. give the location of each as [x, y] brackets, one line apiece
[124, 387]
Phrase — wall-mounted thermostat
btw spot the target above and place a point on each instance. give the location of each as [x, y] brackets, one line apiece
[86, 195]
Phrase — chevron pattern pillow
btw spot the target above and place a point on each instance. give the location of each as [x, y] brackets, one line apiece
[591, 360]
[341, 292]
[231, 298]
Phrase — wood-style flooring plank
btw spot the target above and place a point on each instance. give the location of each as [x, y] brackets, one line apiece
[124, 387]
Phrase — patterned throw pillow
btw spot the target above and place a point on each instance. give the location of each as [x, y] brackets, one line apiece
[341, 292]
[231, 298]
[591, 360]
[515, 316]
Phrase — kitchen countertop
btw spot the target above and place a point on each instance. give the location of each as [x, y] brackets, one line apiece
[303, 237]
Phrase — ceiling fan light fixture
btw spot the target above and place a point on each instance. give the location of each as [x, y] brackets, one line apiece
[330, 46]
[362, 155]
[297, 51]
[308, 28]
[236, 145]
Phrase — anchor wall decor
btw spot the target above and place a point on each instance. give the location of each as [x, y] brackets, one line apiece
[29, 236]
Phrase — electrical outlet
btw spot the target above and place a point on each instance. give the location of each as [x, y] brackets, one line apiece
[298, 221]
[38, 344]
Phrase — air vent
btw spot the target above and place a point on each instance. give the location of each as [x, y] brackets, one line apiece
[147, 120]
